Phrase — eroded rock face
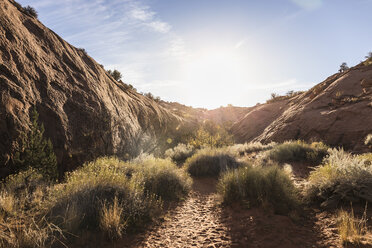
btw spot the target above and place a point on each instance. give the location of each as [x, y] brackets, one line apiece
[86, 113]
[337, 111]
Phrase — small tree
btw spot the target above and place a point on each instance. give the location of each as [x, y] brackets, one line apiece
[149, 95]
[369, 56]
[274, 95]
[30, 10]
[115, 74]
[290, 93]
[343, 67]
[35, 151]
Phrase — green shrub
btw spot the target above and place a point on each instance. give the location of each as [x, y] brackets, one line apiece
[342, 178]
[30, 11]
[180, 153]
[267, 186]
[115, 74]
[35, 151]
[211, 162]
[292, 151]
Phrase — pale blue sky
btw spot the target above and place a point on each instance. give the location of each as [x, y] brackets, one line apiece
[208, 53]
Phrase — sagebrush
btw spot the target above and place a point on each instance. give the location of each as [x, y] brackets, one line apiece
[341, 178]
[267, 186]
[211, 162]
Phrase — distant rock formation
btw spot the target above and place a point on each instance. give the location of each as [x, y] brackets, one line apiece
[337, 111]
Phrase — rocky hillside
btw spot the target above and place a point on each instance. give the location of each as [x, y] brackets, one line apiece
[86, 113]
[337, 111]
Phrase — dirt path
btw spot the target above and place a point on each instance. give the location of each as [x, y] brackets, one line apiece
[201, 221]
[195, 222]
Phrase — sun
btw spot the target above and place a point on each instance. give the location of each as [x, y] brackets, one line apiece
[216, 67]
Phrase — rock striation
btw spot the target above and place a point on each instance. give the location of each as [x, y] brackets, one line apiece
[337, 111]
[86, 113]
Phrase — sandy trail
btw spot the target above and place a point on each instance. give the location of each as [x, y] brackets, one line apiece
[196, 222]
[201, 221]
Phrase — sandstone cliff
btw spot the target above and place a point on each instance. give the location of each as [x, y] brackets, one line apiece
[337, 111]
[86, 113]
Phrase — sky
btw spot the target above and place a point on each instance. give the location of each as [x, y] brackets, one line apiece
[210, 53]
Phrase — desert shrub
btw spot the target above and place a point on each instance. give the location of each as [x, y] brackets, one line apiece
[162, 177]
[247, 148]
[30, 11]
[350, 228]
[341, 177]
[35, 151]
[25, 231]
[343, 67]
[77, 204]
[366, 157]
[368, 140]
[115, 74]
[180, 153]
[276, 97]
[211, 162]
[368, 60]
[82, 50]
[112, 195]
[267, 186]
[24, 190]
[292, 151]
[22, 207]
[27, 180]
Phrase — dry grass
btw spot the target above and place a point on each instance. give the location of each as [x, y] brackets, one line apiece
[350, 228]
[111, 221]
[105, 196]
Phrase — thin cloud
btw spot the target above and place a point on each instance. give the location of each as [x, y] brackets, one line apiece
[159, 26]
[142, 14]
[308, 4]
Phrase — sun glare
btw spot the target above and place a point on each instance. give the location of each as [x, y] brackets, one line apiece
[215, 67]
[216, 72]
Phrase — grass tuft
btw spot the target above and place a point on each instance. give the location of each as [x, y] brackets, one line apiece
[298, 151]
[211, 162]
[111, 221]
[350, 228]
[267, 186]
